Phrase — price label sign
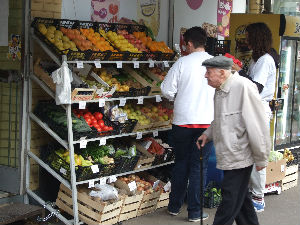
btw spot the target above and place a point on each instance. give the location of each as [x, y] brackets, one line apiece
[79, 64]
[132, 186]
[63, 171]
[167, 187]
[166, 64]
[101, 102]
[102, 180]
[122, 102]
[140, 100]
[112, 179]
[282, 168]
[136, 64]
[97, 64]
[91, 183]
[151, 63]
[119, 65]
[82, 105]
[95, 168]
[155, 133]
[102, 141]
[83, 143]
[139, 135]
[158, 98]
[155, 184]
[139, 166]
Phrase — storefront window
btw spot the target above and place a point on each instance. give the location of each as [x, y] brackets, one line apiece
[287, 7]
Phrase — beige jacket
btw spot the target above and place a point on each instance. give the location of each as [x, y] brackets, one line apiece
[240, 128]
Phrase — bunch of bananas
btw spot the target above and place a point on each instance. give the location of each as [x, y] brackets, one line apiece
[287, 154]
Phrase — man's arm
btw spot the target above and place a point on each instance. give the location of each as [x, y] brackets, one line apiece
[257, 126]
[169, 86]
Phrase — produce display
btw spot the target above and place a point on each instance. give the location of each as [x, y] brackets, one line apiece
[158, 72]
[95, 120]
[79, 160]
[157, 112]
[287, 154]
[134, 41]
[134, 111]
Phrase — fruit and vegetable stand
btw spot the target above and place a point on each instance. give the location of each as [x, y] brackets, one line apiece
[113, 99]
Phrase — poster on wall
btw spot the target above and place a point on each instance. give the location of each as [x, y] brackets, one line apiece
[194, 4]
[105, 10]
[148, 13]
[223, 17]
[14, 47]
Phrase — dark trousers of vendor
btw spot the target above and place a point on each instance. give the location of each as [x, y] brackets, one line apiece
[236, 202]
[186, 171]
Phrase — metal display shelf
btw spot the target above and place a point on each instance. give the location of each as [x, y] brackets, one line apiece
[52, 94]
[69, 144]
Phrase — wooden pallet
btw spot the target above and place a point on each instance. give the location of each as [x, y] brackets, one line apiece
[130, 206]
[91, 211]
[291, 177]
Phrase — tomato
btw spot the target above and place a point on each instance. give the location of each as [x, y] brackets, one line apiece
[95, 124]
[110, 128]
[93, 120]
[78, 116]
[105, 128]
[99, 129]
[86, 116]
[88, 120]
[92, 117]
[98, 116]
[101, 123]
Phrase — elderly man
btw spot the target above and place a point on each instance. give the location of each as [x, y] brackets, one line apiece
[241, 136]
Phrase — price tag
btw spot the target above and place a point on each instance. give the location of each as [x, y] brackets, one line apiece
[63, 171]
[140, 100]
[102, 141]
[139, 166]
[155, 184]
[122, 102]
[112, 179]
[91, 183]
[119, 64]
[95, 168]
[83, 143]
[166, 64]
[79, 64]
[158, 98]
[132, 186]
[97, 64]
[101, 102]
[139, 135]
[136, 64]
[167, 187]
[155, 133]
[282, 168]
[82, 105]
[151, 63]
[102, 180]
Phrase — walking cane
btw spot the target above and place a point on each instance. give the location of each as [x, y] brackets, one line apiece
[201, 183]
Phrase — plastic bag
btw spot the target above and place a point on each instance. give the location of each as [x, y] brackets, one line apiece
[62, 77]
[105, 192]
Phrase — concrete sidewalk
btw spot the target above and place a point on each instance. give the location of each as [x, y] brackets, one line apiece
[283, 209]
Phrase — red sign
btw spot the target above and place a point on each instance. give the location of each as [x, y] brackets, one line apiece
[194, 4]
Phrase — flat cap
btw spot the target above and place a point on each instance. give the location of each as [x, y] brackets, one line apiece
[220, 62]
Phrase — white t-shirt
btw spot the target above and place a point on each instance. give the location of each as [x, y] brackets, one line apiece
[186, 84]
[263, 71]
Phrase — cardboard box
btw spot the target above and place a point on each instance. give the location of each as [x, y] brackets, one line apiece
[275, 171]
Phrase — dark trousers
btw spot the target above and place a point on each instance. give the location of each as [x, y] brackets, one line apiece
[236, 202]
[186, 171]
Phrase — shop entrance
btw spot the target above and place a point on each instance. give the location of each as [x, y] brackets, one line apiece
[10, 117]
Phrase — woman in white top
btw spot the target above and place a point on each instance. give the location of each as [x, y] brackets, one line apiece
[262, 71]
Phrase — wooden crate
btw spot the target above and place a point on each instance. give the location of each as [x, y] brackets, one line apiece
[44, 76]
[148, 203]
[78, 96]
[130, 206]
[90, 211]
[145, 160]
[291, 178]
[154, 89]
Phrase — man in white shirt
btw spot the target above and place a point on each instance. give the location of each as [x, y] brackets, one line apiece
[185, 84]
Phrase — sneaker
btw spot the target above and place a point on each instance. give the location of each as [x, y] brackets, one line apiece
[258, 206]
[173, 213]
[197, 219]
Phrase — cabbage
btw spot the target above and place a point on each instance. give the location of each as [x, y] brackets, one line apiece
[275, 155]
